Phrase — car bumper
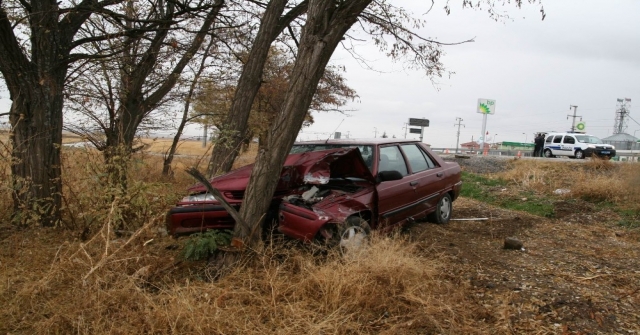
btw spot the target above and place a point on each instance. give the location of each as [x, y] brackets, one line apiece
[600, 152]
[457, 187]
[299, 223]
[196, 218]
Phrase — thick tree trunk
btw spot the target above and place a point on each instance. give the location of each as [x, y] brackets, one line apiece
[326, 25]
[235, 127]
[36, 122]
[36, 87]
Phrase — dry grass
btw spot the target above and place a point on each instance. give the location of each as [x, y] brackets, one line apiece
[65, 281]
[187, 147]
[594, 180]
[123, 286]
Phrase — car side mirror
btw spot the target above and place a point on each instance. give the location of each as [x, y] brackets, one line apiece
[389, 175]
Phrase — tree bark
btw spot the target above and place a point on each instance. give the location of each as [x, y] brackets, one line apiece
[235, 127]
[327, 22]
[35, 86]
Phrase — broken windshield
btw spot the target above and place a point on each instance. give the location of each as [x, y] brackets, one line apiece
[365, 150]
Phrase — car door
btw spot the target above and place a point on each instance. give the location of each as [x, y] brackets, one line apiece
[427, 173]
[568, 143]
[548, 142]
[396, 198]
[556, 148]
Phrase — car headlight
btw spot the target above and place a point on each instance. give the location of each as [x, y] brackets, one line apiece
[613, 147]
[592, 146]
[199, 197]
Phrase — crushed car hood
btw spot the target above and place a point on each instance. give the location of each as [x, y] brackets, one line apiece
[314, 168]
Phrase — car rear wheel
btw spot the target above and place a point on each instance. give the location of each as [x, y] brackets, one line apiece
[579, 154]
[443, 211]
[547, 153]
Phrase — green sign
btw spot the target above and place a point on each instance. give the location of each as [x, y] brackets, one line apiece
[486, 106]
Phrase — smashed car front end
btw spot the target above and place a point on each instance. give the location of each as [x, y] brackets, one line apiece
[307, 218]
[336, 187]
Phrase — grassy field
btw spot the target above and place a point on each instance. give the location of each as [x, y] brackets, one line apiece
[578, 274]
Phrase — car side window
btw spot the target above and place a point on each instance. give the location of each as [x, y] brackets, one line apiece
[416, 158]
[429, 160]
[549, 139]
[557, 139]
[569, 140]
[391, 159]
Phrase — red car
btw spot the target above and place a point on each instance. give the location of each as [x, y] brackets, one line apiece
[336, 190]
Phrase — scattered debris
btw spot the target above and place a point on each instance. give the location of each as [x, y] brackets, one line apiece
[512, 243]
[562, 191]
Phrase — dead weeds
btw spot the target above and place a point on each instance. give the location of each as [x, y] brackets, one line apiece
[578, 273]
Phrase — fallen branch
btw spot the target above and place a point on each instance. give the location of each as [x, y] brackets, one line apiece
[107, 257]
[470, 219]
[192, 171]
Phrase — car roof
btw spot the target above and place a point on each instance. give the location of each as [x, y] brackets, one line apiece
[355, 141]
[569, 134]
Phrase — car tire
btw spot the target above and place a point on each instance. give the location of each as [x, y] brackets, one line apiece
[547, 153]
[443, 211]
[353, 233]
[579, 154]
[346, 236]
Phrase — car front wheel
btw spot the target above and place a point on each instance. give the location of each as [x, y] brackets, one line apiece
[443, 211]
[348, 235]
[547, 153]
[579, 154]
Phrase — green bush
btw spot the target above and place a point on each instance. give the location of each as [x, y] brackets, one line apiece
[202, 245]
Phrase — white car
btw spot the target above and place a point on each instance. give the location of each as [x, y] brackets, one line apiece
[576, 145]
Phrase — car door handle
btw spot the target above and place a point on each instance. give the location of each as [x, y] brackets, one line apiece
[413, 183]
[439, 174]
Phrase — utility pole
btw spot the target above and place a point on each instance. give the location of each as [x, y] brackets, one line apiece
[406, 127]
[574, 116]
[459, 119]
[204, 136]
[375, 132]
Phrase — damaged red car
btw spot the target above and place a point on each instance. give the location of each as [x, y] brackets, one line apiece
[336, 191]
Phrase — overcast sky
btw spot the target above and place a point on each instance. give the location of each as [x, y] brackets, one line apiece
[585, 53]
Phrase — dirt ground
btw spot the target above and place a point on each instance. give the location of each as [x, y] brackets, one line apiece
[577, 273]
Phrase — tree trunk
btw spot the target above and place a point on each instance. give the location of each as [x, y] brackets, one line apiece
[228, 144]
[35, 86]
[166, 168]
[36, 136]
[326, 25]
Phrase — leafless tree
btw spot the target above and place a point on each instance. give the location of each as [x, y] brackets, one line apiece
[38, 43]
[119, 93]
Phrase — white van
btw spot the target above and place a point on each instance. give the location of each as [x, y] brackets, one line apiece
[576, 145]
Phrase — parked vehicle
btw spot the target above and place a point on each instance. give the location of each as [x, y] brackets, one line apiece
[336, 191]
[576, 145]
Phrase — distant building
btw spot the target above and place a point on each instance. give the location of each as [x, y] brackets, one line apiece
[622, 141]
[470, 146]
